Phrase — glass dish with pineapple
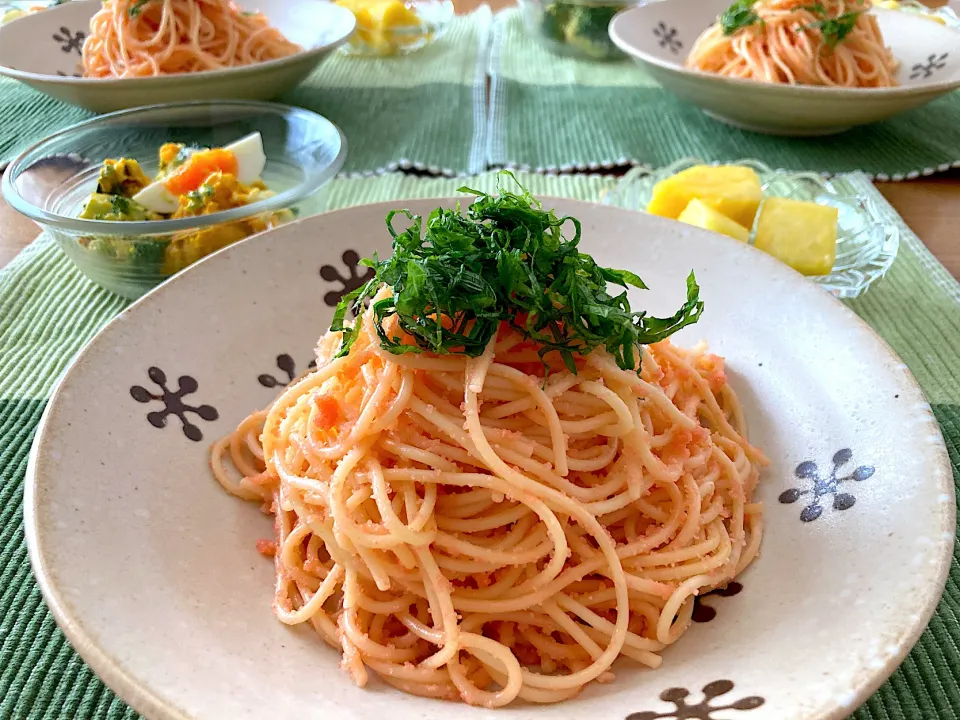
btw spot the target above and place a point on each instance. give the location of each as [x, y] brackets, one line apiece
[831, 230]
[395, 27]
[16, 9]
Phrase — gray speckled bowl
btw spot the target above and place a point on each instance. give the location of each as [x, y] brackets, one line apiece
[659, 36]
[150, 568]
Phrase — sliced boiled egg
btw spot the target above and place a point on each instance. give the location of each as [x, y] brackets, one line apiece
[156, 198]
[243, 159]
[250, 157]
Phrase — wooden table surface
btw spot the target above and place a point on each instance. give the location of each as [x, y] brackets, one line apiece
[930, 206]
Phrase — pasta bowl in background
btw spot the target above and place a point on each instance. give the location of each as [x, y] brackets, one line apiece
[51, 181]
[866, 244]
[660, 35]
[44, 49]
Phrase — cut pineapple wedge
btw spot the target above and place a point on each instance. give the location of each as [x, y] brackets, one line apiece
[376, 19]
[731, 190]
[393, 14]
[894, 5]
[801, 234]
[702, 215]
[382, 14]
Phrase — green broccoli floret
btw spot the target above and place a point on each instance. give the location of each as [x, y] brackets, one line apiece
[148, 253]
[554, 21]
[587, 29]
[101, 206]
[198, 198]
[102, 246]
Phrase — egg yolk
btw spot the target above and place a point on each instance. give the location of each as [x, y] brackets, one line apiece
[199, 167]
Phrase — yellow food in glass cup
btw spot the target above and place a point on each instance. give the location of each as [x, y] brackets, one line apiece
[731, 190]
[385, 26]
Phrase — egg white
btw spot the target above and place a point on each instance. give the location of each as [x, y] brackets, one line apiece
[250, 163]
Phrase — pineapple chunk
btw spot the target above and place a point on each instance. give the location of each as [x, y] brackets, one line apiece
[894, 5]
[393, 14]
[381, 14]
[731, 190]
[378, 22]
[364, 19]
[801, 234]
[702, 215]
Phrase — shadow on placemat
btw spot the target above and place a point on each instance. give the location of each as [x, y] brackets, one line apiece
[558, 126]
[550, 112]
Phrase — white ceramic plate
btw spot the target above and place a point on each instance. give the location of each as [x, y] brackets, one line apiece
[43, 50]
[659, 36]
[150, 568]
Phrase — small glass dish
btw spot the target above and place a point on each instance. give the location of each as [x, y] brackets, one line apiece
[574, 28]
[16, 9]
[866, 245]
[944, 14]
[51, 182]
[368, 40]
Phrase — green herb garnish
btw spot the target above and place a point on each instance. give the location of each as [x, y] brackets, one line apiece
[739, 15]
[123, 208]
[835, 29]
[183, 154]
[137, 7]
[120, 205]
[505, 260]
[198, 198]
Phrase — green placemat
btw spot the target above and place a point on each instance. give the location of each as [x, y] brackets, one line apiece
[48, 311]
[556, 113]
[427, 110]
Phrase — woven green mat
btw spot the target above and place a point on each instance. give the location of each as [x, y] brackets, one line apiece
[48, 311]
[549, 113]
[427, 110]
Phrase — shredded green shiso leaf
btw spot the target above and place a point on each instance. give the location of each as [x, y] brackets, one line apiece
[505, 259]
[833, 29]
[137, 7]
[739, 15]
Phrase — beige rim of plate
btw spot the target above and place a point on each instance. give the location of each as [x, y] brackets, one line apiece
[150, 568]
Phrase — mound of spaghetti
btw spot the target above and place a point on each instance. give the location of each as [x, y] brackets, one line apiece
[798, 42]
[497, 499]
[141, 38]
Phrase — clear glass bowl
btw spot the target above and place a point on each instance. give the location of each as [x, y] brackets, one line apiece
[574, 28]
[51, 181]
[866, 246]
[944, 14]
[15, 9]
[434, 17]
